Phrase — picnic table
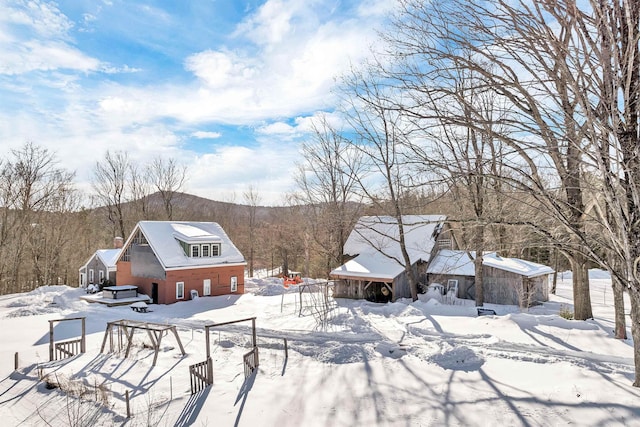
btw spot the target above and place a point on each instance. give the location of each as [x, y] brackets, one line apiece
[140, 307]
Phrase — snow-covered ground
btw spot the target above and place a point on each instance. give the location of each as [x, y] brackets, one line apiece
[363, 364]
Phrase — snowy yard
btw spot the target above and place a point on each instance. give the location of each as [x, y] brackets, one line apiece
[397, 364]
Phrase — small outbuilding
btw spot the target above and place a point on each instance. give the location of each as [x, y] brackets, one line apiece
[100, 268]
[510, 281]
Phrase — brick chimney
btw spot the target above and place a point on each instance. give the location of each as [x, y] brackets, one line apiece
[118, 242]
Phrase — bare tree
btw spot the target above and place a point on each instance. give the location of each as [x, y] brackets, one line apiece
[326, 181]
[383, 138]
[252, 199]
[33, 191]
[140, 188]
[168, 177]
[110, 183]
[570, 73]
[515, 54]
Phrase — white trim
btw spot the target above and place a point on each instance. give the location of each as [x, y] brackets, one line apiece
[192, 267]
[179, 287]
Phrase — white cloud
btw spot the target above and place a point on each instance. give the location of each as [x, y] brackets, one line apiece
[40, 16]
[268, 168]
[35, 37]
[285, 72]
[206, 135]
[278, 128]
[271, 24]
[220, 68]
[43, 56]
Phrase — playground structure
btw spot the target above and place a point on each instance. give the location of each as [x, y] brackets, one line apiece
[126, 329]
[315, 299]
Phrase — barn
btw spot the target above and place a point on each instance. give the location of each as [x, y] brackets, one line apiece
[376, 270]
[505, 280]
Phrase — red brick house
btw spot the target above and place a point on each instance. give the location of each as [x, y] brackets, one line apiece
[169, 259]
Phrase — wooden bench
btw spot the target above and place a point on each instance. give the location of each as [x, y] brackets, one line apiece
[140, 307]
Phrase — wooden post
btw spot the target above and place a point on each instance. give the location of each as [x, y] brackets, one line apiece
[206, 334]
[106, 335]
[126, 395]
[286, 349]
[175, 333]
[15, 362]
[50, 340]
[209, 371]
[83, 343]
[129, 342]
[253, 326]
[156, 346]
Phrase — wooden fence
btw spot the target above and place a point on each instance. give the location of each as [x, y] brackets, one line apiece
[66, 349]
[201, 375]
[251, 362]
[69, 348]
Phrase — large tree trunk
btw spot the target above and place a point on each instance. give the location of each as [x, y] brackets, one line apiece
[635, 332]
[581, 295]
[618, 304]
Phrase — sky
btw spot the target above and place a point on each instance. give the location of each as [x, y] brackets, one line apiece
[422, 363]
[227, 88]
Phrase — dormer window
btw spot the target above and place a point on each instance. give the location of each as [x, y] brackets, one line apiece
[196, 242]
[200, 250]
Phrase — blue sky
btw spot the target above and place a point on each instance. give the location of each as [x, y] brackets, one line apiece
[227, 87]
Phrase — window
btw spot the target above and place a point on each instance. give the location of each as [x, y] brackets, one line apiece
[197, 250]
[179, 290]
[100, 276]
[234, 284]
[206, 287]
[91, 275]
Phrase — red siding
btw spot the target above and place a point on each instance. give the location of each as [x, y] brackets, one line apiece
[193, 279]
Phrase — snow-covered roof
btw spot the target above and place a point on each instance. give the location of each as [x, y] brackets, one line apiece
[370, 266]
[460, 263]
[162, 235]
[375, 239]
[109, 257]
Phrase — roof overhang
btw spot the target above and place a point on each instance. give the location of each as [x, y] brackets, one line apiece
[193, 267]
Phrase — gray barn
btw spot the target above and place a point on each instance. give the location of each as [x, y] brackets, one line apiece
[509, 281]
